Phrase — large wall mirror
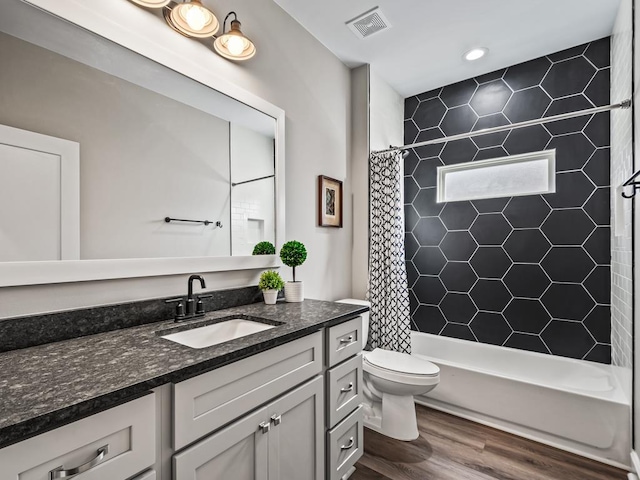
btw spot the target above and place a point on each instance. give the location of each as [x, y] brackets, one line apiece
[116, 164]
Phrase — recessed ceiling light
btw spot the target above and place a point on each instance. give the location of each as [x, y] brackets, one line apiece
[475, 54]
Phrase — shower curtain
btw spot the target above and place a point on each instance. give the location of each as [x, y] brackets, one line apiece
[388, 292]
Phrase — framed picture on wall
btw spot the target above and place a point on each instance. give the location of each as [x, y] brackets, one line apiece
[329, 202]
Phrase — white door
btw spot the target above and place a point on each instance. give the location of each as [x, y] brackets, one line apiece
[39, 197]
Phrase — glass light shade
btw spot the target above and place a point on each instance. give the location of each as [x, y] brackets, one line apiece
[152, 3]
[194, 20]
[233, 45]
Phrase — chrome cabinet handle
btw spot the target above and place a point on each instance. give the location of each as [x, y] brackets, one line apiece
[61, 473]
[265, 427]
[348, 445]
[349, 339]
[347, 389]
[276, 419]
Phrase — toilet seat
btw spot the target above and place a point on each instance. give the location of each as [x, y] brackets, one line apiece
[400, 367]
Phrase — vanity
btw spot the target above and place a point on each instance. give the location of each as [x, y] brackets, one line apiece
[283, 403]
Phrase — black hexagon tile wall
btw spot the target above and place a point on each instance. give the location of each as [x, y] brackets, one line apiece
[524, 272]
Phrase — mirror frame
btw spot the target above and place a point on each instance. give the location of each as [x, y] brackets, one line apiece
[132, 27]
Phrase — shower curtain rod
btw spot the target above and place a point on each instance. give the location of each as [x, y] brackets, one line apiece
[503, 128]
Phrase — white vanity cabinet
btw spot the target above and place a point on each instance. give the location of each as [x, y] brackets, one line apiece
[344, 384]
[291, 412]
[149, 475]
[282, 440]
[209, 401]
[115, 444]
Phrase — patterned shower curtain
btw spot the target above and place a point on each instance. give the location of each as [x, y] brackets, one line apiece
[390, 315]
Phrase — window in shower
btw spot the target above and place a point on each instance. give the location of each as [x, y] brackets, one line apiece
[517, 175]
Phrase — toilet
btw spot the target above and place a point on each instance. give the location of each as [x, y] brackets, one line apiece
[391, 379]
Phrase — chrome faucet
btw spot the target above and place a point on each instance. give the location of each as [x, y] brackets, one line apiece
[195, 307]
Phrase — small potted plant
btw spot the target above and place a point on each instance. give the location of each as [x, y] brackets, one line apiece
[264, 248]
[293, 254]
[270, 283]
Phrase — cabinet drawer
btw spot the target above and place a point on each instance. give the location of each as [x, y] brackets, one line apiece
[128, 432]
[344, 341]
[150, 475]
[207, 402]
[344, 389]
[345, 445]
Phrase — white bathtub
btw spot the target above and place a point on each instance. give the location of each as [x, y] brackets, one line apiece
[570, 404]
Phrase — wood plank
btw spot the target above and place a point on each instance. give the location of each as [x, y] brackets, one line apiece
[452, 448]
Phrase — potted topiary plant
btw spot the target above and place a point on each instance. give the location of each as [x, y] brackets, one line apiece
[293, 254]
[264, 248]
[270, 283]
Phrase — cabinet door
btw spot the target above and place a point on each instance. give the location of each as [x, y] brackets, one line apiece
[296, 445]
[238, 452]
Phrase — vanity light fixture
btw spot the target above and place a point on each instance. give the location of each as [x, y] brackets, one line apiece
[192, 19]
[475, 54]
[233, 44]
[152, 3]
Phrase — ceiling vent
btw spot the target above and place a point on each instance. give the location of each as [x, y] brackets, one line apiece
[369, 23]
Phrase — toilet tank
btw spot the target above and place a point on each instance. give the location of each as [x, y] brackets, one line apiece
[365, 317]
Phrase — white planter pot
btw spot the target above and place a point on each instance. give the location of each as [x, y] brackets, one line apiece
[293, 292]
[270, 296]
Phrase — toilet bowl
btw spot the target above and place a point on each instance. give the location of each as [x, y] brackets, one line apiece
[391, 379]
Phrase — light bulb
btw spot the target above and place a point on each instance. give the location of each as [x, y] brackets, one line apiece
[475, 54]
[196, 17]
[236, 45]
[233, 45]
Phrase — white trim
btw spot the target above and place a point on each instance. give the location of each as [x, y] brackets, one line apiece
[40, 273]
[69, 154]
[134, 28]
[443, 171]
[635, 462]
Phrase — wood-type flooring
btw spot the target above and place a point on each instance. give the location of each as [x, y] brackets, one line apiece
[452, 448]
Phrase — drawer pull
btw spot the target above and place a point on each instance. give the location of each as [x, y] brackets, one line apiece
[344, 341]
[347, 389]
[348, 445]
[276, 419]
[60, 473]
[265, 427]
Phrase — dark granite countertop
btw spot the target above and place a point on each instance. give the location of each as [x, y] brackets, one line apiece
[50, 385]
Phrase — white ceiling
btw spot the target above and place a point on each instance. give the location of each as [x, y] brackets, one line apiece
[423, 49]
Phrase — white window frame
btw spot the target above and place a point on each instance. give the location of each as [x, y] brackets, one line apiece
[444, 171]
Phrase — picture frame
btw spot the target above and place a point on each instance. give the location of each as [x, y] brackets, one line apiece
[330, 202]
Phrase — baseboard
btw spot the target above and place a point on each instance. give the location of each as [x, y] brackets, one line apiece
[347, 475]
[635, 464]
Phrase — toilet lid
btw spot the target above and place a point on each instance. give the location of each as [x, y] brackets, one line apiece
[401, 362]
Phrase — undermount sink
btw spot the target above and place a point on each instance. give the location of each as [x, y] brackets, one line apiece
[202, 337]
